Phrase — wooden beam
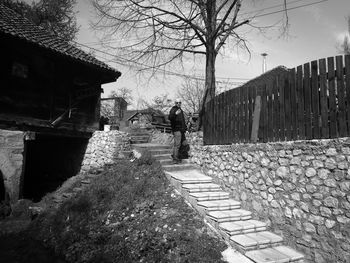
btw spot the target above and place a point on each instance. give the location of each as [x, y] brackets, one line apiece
[256, 119]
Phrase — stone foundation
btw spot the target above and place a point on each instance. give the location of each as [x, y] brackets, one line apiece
[301, 189]
[11, 162]
[104, 147]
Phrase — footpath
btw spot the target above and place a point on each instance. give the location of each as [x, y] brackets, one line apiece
[249, 238]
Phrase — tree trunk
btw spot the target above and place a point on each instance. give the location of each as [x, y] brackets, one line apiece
[209, 92]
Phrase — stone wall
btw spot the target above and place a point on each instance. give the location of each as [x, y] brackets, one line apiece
[301, 189]
[104, 147]
[11, 161]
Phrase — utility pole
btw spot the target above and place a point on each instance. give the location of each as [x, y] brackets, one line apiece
[264, 66]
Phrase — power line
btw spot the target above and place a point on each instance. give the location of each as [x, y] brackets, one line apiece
[287, 9]
[148, 67]
[123, 60]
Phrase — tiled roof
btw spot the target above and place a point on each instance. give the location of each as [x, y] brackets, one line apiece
[11, 23]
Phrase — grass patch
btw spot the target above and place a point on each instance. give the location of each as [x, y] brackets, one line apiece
[128, 214]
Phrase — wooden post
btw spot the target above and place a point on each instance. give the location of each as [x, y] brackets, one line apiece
[256, 119]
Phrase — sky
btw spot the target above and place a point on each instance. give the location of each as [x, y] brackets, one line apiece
[314, 32]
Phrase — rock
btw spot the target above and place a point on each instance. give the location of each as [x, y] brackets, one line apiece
[304, 206]
[329, 223]
[331, 152]
[297, 152]
[311, 188]
[316, 203]
[323, 173]
[343, 219]
[278, 182]
[282, 172]
[288, 212]
[275, 204]
[317, 164]
[330, 183]
[310, 172]
[283, 161]
[295, 161]
[295, 196]
[265, 162]
[272, 190]
[309, 228]
[331, 202]
[331, 163]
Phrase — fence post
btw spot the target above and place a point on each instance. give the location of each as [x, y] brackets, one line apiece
[256, 119]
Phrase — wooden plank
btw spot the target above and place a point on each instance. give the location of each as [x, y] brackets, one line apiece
[300, 104]
[315, 98]
[221, 118]
[264, 119]
[276, 110]
[251, 110]
[347, 89]
[323, 99]
[234, 115]
[237, 115]
[332, 99]
[229, 120]
[246, 117]
[307, 101]
[282, 108]
[293, 103]
[341, 97]
[256, 119]
[287, 113]
[269, 95]
[241, 117]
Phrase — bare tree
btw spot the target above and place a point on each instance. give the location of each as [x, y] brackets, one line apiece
[160, 103]
[191, 94]
[56, 16]
[345, 46]
[157, 33]
[124, 93]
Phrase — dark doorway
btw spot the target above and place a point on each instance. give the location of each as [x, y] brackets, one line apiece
[49, 161]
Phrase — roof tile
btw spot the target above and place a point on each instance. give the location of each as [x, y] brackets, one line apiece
[12, 23]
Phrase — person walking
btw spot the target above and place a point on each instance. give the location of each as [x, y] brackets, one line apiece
[178, 127]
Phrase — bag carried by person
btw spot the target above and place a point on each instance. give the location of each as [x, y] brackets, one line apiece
[184, 148]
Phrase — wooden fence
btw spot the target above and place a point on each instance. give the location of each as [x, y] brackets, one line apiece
[311, 101]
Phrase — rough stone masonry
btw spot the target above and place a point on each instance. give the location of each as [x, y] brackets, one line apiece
[301, 188]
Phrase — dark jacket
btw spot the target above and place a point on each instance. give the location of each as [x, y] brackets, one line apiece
[177, 121]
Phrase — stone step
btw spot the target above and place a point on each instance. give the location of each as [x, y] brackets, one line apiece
[166, 156]
[206, 196]
[178, 167]
[219, 205]
[276, 254]
[189, 176]
[158, 151]
[229, 215]
[206, 187]
[255, 240]
[152, 146]
[242, 227]
[170, 161]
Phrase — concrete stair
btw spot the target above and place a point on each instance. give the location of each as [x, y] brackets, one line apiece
[140, 137]
[248, 236]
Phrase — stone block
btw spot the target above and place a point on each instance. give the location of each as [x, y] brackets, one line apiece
[331, 202]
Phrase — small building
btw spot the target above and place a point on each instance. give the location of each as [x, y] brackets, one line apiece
[146, 117]
[49, 106]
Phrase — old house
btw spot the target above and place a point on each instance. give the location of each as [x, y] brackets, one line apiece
[49, 107]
